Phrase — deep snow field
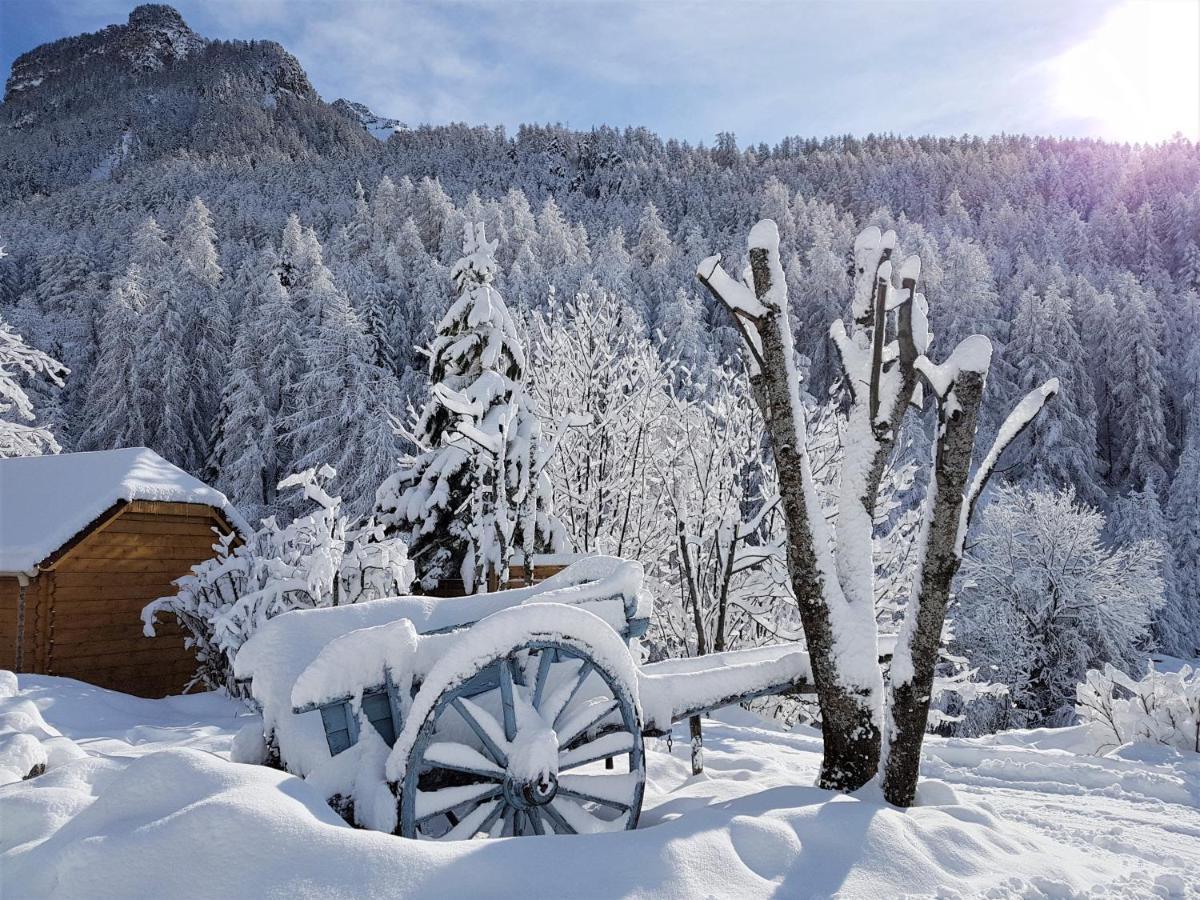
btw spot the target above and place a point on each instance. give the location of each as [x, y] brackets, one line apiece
[154, 809]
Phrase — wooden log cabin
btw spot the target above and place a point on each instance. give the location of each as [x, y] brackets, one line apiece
[86, 541]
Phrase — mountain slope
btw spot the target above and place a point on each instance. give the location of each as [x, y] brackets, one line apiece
[87, 107]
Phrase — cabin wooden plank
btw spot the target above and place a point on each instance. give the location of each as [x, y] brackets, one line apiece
[70, 597]
[157, 507]
[175, 551]
[174, 566]
[107, 638]
[79, 660]
[161, 542]
[82, 620]
[205, 516]
[143, 681]
[192, 529]
[74, 579]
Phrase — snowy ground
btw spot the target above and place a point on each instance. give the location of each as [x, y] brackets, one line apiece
[156, 810]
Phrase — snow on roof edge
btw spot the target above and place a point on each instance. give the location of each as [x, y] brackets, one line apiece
[45, 501]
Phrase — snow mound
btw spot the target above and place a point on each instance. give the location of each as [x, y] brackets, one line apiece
[28, 745]
[1020, 814]
[200, 826]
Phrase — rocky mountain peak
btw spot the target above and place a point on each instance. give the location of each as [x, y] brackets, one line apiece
[156, 35]
[157, 15]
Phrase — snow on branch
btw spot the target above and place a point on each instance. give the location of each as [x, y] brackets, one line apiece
[1018, 420]
[739, 298]
[870, 248]
[744, 306]
[973, 354]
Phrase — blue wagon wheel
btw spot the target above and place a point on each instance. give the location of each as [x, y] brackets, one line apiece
[521, 749]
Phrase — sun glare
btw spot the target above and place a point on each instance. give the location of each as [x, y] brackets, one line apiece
[1137, 76]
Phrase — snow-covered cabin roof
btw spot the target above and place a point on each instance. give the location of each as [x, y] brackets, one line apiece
[47, 500]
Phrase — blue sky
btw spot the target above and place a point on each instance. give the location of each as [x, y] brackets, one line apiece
[1118, 69]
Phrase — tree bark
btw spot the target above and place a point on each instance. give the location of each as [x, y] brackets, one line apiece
[848, 724]
[685, 560]
[911, 696]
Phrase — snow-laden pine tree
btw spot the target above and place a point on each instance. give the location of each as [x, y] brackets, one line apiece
[1142, 446]
[476, 491]
[113, 415]
[1138, 517]
[1183, 536]
[198, 274]
[303, 272]
[1060, 448]
[339, 409]
[169, 403]
[243, 460]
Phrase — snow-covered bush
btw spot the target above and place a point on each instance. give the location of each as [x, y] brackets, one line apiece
[316, 560]
[1161, 708]
[1043, 600]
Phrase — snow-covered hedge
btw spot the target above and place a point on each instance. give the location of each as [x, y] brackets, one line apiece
[1161, 708]
[316, 560]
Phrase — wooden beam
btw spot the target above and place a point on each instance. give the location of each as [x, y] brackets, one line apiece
[97, 525]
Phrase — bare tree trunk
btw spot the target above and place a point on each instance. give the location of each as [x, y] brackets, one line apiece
[911, 696]
[848, 722]
[685, 560]
[915, 660]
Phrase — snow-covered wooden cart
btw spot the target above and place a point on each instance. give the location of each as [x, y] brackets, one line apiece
[512, 713]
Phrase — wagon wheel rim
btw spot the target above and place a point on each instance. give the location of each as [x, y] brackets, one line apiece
[552, 715]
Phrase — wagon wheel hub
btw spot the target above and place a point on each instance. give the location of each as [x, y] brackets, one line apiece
[527, 795]
[531, 778]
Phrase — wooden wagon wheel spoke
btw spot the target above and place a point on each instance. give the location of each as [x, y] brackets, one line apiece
[585, 719]
[477, 820]
[535, 820]
[561, 699]
[607, 790]
[479, 721]
[461, 758]
[545, 660]
[498, 824]
[580, 820]
[606, 745]
[436, 803]
[561, 825]
[506, 696]
[588, 798]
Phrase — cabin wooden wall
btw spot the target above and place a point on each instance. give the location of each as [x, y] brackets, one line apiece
[36, 614]
[93, 599]
[454, 587]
